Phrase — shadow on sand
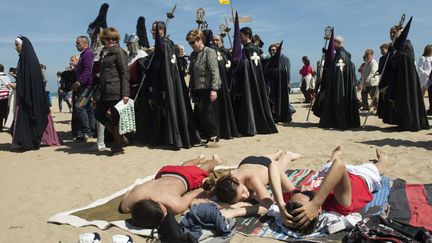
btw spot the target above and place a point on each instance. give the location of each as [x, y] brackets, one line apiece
[400, 142]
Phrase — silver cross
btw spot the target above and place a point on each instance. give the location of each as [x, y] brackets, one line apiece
[340, 64]
[255, 58]
[219, 56]
[173, 60]
[228, 64]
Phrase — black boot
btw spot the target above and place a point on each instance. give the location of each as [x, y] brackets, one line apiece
[117, 148]
[110, 128]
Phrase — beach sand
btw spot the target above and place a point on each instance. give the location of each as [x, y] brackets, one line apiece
[35, 185]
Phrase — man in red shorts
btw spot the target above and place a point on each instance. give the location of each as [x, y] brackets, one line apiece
[338, 188]
[150, 202]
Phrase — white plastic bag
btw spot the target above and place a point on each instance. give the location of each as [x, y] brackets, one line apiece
[127, 116]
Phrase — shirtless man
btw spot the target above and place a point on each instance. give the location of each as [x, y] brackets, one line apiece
[338, 187]
[150, 202]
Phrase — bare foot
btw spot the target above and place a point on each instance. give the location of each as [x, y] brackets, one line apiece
[293, 156]
[337, 152]
[201, 158]
[275, 155]
[382, 161]
[381, 155]
[217, 159]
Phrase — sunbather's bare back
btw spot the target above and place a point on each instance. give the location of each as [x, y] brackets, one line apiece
[165, 190]
[256, 175]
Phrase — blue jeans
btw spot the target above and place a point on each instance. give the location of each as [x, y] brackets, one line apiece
[64, 96]
[84, 114]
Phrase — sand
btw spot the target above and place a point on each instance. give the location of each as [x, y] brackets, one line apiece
[35, 185]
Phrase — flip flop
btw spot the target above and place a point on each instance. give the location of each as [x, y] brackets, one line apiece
[122, 239]
[90, 238]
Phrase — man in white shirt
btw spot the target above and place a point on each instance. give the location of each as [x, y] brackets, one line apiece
[369, 79]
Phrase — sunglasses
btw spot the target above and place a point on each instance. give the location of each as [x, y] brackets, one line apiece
[111, 39]
[191, 42]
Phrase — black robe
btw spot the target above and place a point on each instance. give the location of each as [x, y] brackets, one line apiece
[250, 100]
[224, 109]
[278, 80]
[340, 105]
[401, 103]
[169, 111]
[33, 106]
[137, 70]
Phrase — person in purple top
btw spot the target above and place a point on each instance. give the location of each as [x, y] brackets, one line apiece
[83, 85]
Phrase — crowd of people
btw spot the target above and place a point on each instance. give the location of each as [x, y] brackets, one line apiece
[182, 101]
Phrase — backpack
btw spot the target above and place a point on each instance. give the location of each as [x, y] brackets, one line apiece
[378, 229]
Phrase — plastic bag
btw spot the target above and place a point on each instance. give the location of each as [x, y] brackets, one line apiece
[127, 116]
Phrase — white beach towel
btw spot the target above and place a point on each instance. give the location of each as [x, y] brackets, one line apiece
[67, 217]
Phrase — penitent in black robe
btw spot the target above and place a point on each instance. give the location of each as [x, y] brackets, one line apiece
[137, 70]
[340, 105]
[32, 101]
[277, 74]
[169, 119]
[401, 103]
[250, 100]
[224, 109]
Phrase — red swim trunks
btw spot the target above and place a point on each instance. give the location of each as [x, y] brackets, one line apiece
[359, 191]
[191, 175]
[360, 197]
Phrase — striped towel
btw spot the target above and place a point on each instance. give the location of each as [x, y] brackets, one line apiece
[4, 94]
[266, 226]
[380, 199]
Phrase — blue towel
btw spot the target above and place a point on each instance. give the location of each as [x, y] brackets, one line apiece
[380, 198]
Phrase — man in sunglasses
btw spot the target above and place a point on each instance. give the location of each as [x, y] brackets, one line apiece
[338, 188]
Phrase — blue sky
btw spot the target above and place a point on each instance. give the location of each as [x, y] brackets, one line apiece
[53, 25]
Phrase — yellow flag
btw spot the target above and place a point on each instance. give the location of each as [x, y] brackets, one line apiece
[224, 2]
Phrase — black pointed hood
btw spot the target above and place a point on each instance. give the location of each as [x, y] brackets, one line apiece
[330, 53]
[99, 23]
[400, 41]
[141, 32]
[237, 53]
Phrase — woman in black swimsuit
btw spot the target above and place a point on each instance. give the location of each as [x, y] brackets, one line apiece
[249, 181]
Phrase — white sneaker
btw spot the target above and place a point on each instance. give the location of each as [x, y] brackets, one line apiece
[122, 239]
[89, 238]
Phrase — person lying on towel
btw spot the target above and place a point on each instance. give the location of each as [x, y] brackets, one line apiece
[338, 188]
[239, 187]
[150, 202]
